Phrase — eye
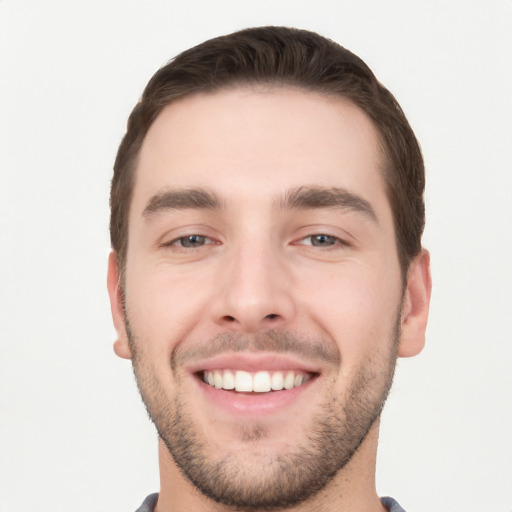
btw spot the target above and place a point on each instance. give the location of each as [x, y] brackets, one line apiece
[321, 240]
[191, 241]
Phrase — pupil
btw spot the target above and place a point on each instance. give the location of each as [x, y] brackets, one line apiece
[193, 240]
[323, 240]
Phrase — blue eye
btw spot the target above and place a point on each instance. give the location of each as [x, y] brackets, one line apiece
[322, 240]
[191, 241]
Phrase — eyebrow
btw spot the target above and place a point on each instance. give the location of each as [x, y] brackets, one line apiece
[182, 199]
[299, 198]
[325, 197]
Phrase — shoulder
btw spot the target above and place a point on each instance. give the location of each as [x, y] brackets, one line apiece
[391, 504]
[149, 503]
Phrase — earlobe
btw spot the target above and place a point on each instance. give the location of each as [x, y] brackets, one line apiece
[416, 306]
[121, 345]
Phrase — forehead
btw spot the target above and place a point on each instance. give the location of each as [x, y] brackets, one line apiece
[255, 142]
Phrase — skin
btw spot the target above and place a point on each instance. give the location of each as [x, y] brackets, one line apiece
[259, 271]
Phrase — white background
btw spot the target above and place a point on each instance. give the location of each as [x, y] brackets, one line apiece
[74, 435]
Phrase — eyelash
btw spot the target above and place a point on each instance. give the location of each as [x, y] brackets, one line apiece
[334, 240]
[181, 242]
[178, 242]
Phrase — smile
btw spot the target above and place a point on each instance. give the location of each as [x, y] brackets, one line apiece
[258, 382]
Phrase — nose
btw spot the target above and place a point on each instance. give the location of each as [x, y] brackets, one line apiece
[255, 290]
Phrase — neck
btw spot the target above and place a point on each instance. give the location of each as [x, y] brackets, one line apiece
[352, 488]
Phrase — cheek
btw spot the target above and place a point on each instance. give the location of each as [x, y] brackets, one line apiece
[162, 309]
[357, 309]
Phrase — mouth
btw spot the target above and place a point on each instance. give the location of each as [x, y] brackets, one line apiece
[250, 385]
[255, 382]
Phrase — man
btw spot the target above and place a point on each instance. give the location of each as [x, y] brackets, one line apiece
[267, 270]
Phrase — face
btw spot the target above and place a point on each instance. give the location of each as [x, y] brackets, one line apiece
[263, 301]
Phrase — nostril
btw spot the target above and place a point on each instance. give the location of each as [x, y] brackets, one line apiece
[229, 319]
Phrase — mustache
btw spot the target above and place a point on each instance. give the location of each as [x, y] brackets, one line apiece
[273, 340]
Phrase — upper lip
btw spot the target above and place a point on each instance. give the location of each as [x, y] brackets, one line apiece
[253, 362]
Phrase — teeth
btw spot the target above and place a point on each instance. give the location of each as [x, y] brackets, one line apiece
[243, 381]
[277, 381]
[289, 380]
[217, 379]
[229, 380]
[259, 382]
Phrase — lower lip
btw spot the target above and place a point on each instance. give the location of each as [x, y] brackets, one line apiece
[257, 404]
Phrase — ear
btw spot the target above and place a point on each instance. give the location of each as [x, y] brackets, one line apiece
[121, 345]
[415, 306]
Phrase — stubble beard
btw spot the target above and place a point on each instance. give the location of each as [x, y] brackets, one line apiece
[263, 482]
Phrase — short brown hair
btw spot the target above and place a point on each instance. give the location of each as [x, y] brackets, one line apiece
[286, 57]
